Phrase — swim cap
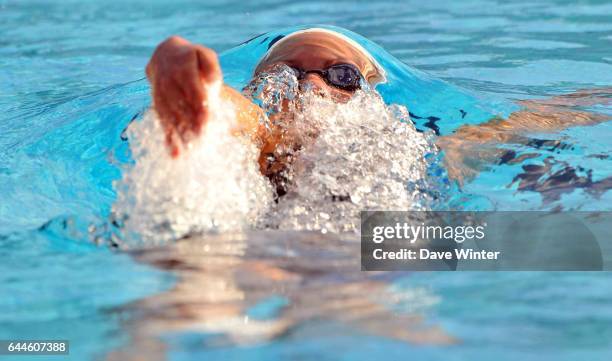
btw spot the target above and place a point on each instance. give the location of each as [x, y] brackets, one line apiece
[378, 75]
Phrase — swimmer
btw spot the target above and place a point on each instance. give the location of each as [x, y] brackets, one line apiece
[183, 76]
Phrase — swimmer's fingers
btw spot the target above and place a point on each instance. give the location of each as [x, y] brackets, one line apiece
[172, 112]
[193, 81]
[185, 107]
[167, 120]
[176, 98]
[208, 64]
[193, 103]
[161, 102]
[210, 73]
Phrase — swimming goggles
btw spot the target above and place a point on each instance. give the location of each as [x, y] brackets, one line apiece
[343, 76]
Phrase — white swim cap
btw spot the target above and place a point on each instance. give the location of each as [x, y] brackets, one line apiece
[379, 76]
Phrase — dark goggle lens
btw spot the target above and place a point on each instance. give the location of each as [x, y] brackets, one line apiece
[344, 76]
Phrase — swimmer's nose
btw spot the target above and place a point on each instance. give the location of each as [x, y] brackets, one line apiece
[315, 81]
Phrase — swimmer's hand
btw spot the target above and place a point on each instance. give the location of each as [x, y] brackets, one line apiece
[179, 72]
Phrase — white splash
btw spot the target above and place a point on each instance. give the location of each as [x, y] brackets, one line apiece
[364, 155]
[360, 155]
[214, 186]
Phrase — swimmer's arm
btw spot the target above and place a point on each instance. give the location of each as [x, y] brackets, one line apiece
[536, 117]
[182, 75]
[546, 115]
[248, 114]
[248, 122]
[473, 145]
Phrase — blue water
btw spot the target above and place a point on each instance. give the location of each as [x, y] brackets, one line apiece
[71, 80]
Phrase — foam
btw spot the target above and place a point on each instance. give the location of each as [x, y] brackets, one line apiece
[214, 186]
[362, 155]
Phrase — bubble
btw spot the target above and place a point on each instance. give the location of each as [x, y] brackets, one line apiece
[364, 155]
[341, 158]
[214, 186]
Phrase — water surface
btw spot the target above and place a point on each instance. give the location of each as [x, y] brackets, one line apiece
[70, 84]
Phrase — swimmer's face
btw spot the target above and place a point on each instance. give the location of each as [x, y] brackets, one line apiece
[318, 51]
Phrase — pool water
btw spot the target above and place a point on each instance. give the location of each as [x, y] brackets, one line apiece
[71, 81]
